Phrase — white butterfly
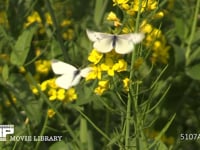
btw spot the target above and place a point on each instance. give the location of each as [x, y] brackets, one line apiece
[122, 44]
[70, 76]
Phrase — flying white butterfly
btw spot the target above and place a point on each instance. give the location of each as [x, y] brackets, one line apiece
[70, 76]
[122, 44]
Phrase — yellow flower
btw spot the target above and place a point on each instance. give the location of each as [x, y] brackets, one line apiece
[99, 90]
[22, 69]
[161, 54]
[68, 35]
[44, 85]
[35, 91]
[66, 23]
[95, 56]
[120, 66]
[145, 27]
[112, 17]
[131, 11]
[103, 83]
[126, 83]
[48, 19]
[61, 94]
[158, 15]
[120, 2]
[157, 44]
[152, 4]
[146, 5]
[33, 18]
[71, 94]
[52, 83]
[94, 74]
[112, 55]
[37, 51]
[102, 87]
[125, 6]
[43, 66]
[51, 113]
[55, 93]
[126, 30]
[108, 66]
[52, 94]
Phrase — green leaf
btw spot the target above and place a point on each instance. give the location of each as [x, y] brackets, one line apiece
[194, 57]
[20, 88]
[179, 54]
[193, 71]
[5, 72]
[100, 8]
[22, 45]
[181, 28]
[196, 37]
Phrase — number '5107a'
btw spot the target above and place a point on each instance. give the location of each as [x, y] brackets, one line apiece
[189, 136]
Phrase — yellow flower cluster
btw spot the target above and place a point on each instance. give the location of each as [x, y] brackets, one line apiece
[103, 67]
[50, 113]
[113, 17]
[126, 83]
[156, 41]
[35, 17]
[67, 33]
[133, 6]
[102, 86]
[42, 66]
[55, 93]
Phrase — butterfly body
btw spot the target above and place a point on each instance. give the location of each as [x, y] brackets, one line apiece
[114, 41]
[69, 75]
[123, 44]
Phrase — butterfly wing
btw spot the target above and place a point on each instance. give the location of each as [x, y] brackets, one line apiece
[123, 46]
[60, 67]
[65, 81]
[133, 37]
[102, 41]
[76, 79]
[84, 72]
[137, 37]
[66, 71]
[96, 36]
[104, 45]
[125, 42]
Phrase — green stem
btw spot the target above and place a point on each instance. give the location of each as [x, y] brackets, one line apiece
[57, 31]
[42, 131]
[133, 90]
[193, 29]
[92, 123]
